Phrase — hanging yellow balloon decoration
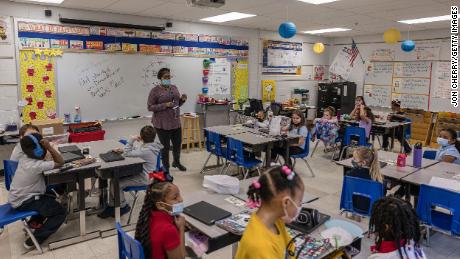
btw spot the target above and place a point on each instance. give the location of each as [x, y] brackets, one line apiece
[318, 48]
[391, 36]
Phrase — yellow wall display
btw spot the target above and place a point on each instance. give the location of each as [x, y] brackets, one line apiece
[268, 90]
[240, 79]
[37, 85]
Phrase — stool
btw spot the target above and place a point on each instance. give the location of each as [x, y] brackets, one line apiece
[192, 130]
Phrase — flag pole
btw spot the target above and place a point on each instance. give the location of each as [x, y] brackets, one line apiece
[362, 59]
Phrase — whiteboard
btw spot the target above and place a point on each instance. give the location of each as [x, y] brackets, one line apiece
[377, 95]
[110, 86]
[411, 85]
[413, 69]
[412, 101]
[379, 73]
[440, 88]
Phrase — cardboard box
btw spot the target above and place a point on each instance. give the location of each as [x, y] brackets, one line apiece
[50, 127]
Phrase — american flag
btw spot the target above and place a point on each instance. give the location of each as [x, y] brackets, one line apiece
[354, 52]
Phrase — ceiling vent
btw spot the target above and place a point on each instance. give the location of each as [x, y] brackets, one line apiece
[206, 3]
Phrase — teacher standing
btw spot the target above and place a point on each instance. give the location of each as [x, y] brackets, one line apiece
[164, 101]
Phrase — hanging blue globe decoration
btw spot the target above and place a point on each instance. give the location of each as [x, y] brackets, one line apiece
[408, 45]
[287, 30]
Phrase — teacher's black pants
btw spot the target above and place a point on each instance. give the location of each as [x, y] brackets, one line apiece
[166, 137]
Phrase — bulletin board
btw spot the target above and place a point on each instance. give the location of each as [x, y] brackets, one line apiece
[281, 57]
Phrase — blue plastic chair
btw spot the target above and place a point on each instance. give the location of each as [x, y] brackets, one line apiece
[359, 187]
[304, 154]
[351, 131]
[429, 154]
[214, 147]
[236, 155]
[9, 167]
[134, 190]
[429, 199]
[128, 247]
[8, 214]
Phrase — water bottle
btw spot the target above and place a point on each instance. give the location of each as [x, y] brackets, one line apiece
[401, 161]
[418, 154]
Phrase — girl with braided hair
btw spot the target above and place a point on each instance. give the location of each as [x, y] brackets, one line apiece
[396, 229]
[160, 227]
[278, 194]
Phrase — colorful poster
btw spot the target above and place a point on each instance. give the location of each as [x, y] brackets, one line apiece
[5, 28]
[268, 90]
[34, 43]
[59, 44]
[281, 57]
[240, 79]
[99, 45]
[37, 86]
[112, 46]
[116, 32]
[164, 36]
[96, 30]
[53, 28]
[186, 37]
[143, 34]
[76, 44]
[319, 72]
[128, 47]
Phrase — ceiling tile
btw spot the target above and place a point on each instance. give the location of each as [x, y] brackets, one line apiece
[164, 10]
[87, 4]
[132, 6]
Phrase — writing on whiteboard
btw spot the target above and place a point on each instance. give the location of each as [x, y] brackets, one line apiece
[441, 80]
[377, 95]
[150, 72]
[100, 79]
[379, 73]
[411, 85]
[413, 69]
[412, 101]
[383, 54]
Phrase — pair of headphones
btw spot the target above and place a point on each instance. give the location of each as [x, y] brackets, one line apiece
[38, 150]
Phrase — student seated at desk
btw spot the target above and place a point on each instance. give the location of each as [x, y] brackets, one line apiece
[27, 191]
[160, 227]
[25, 130]
[148, 151]
[396, 228]
[327, 127]
[261, 121]
[397, 115]
[450, 147]
[365, 165]
[296, 128]
[363, 114]
[278, 194]
[359, 105]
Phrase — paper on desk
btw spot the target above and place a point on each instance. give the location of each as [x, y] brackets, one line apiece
[445, 183]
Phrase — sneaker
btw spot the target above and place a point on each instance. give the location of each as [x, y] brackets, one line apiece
[124, 210]
[179, 166]
[107, 212]
[29, 244]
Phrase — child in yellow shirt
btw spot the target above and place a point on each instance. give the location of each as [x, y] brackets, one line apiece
[278, 194]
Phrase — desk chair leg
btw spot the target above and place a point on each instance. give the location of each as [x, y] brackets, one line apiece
[225, 166]
[205, 163]
[245, 173]
[258, 171]
[309, 168]
[135, 195]
[314, 149]
[342, 151]
[32, 237]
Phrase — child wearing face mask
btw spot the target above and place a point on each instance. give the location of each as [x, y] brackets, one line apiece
[160, 227]
[326, 128]
[365, 165]
[262, 121]
[278, 194]
[450, 147]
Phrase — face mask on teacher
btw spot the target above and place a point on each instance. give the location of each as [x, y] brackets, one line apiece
[166, 82]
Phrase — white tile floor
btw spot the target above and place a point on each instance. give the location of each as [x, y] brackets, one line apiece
[327, 185]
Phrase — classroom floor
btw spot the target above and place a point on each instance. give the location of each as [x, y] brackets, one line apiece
[327, 185]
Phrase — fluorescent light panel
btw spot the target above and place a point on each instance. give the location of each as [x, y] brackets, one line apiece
[427, 19]
[44, 1]
[327, 30]
[318, 1]
[228, 17]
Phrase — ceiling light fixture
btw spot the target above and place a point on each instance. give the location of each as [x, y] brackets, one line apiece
[326, 30]
[426, 19]
[43, 1]
[318, 1]
[228, 17]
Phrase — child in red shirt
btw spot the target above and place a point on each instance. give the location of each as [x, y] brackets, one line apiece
[160, 227]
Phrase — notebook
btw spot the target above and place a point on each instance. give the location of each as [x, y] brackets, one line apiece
[70, 157]
[206, 213]
[72, 148]
[237, 223]
[111, 156]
